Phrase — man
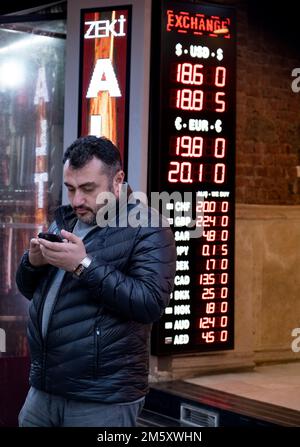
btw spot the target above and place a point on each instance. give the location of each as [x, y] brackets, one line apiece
[93, 299]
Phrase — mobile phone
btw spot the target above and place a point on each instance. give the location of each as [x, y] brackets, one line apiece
[50, 237]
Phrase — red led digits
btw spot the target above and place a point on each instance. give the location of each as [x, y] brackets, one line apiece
[220, 77]
[207, 279]
[214, 307]
[224, 336]
[188, 172]
[196, 100]
[214, 283]
[214, 250]
[208, 207]
[212, 206]
[187, 99]
[213, 322]
[224, 293]
[220, 102]
[207, 220]
[198, 146]
[224, 278]
[210, 308]
[224, 235]
[196, 74]
[209, 337]
[220, 145]
[210, 235]
[223, 321]
[200, 176]
[215, 235]
[195, 123]
[213, 337]
[224, 221]
[225, 207]
[207, 322]
[187, 146]
[210, 293]
[216, 264]
[182, 172]
[224, 307]
[210, 264]
[189, 74]
[220, 170]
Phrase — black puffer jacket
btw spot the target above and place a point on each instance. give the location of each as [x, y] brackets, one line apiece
[96, 348]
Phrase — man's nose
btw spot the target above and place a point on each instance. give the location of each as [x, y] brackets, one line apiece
[78, 199]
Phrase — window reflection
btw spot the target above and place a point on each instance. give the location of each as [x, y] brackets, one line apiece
[31, 135]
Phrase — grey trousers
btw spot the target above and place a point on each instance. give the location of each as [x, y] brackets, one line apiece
[45, 410]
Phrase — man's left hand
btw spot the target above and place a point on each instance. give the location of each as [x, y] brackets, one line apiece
[65, 255]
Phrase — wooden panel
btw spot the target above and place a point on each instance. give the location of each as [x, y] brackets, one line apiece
[14, 385]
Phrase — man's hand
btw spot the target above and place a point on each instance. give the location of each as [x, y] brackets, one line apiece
[35, 254]
[64, 255]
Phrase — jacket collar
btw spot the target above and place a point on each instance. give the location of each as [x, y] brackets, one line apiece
[65, 218]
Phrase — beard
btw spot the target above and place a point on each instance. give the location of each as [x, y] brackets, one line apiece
[90, 218]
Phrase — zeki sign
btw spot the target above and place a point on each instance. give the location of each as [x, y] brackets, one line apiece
[104, 74]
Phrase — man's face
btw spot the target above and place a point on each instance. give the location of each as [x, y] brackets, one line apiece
[84, 185]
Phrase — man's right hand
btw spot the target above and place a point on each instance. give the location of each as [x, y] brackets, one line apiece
[35, 255]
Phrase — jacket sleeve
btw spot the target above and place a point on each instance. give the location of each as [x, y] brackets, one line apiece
[28, 277]
[144, 291]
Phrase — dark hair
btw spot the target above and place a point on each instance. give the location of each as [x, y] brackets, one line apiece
[85, 148]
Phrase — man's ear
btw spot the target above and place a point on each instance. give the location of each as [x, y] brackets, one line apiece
[118, 180]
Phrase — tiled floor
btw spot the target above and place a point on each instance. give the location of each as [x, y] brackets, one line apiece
[275, 384]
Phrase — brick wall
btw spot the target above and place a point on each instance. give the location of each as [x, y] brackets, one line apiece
[268, 111]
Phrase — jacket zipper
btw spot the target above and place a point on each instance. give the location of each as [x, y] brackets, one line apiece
[44, 339]
[40, 319]
[41, 305]
[97, 343]
[39, 324]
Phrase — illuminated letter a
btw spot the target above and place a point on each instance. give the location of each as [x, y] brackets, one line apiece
[103, 79]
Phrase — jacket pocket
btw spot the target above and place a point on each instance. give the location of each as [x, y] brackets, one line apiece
[97, 336]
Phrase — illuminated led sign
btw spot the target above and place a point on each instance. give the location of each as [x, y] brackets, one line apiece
[192, 149]
[104, 74]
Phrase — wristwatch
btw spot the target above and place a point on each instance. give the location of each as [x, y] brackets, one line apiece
[82, 266]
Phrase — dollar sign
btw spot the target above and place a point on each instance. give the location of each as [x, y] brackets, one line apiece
[178, 123]
[178, 50]
[219, 54]
[218, 126]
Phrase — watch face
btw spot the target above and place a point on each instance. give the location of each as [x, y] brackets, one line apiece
[79, 270]
[83, 265]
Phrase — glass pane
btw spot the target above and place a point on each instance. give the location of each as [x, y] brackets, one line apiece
[31, 145]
